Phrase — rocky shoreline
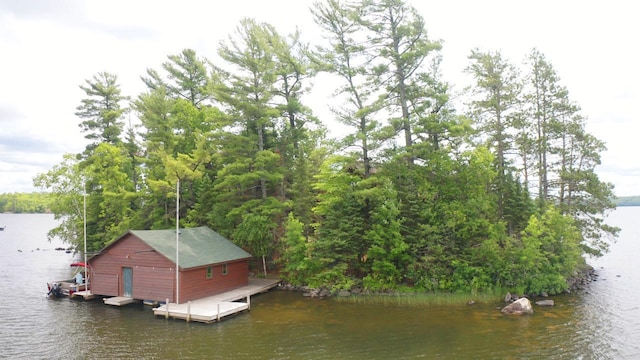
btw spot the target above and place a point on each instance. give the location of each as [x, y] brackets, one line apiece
[579, 282]
[583, 279]
[520, 305]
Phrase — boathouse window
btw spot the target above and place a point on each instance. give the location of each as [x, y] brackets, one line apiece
[209, 272]
[225, 270]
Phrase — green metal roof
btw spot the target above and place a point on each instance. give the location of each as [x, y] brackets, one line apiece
[199, 246]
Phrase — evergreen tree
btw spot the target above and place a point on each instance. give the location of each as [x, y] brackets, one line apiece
[581, 194]
[248, 186]
[346, 58]
[401, 53]
[186, 78]
[178, 120]
[545, 101]
[496, 90]
[566, 157]
[296, 262]
[387, 253]
[340, 246]
[101, 110]
[298, 131]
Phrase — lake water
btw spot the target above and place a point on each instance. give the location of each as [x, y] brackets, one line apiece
[600, 323]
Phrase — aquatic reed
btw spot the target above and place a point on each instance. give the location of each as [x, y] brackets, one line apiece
[422, 299]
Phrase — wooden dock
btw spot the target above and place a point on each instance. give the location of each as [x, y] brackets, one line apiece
[214, 308]
[119, 300]
[85, 294]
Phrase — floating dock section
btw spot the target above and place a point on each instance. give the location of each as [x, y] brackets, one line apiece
[119, 300]
[85, 294]
[214, 308]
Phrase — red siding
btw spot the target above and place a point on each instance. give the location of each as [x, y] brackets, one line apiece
[195, 285]
[154, 274]
[153, 283]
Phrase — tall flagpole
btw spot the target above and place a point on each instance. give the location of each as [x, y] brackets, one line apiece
[178, 241]
[84, 203]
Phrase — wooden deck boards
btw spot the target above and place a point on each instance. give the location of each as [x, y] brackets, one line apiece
[119, 300]
[214, 308]
[86, 294]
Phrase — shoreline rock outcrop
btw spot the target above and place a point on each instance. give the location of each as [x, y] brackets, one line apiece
[522, 306]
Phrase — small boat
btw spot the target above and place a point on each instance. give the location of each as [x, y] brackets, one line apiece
[2, 227]
[81, 280]
[68, 287]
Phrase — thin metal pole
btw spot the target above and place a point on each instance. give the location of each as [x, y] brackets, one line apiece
[84, 200]
[178, 241]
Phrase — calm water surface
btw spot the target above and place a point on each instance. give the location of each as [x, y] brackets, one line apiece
[602, 323]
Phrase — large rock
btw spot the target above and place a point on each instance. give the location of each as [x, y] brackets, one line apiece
[518, 307]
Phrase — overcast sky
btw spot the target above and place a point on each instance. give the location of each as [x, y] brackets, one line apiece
[49, 47]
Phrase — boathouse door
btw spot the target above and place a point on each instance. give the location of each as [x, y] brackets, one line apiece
[127, 281]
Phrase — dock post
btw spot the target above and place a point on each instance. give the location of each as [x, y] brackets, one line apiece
[166, 308]
[188, 311]
[249, 300]
[218, 317]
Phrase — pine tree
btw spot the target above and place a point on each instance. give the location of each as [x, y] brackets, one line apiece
[496, 96]
[101, 110]
[401, 54]
[346, 58]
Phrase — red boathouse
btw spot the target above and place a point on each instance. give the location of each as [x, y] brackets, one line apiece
[141, 264]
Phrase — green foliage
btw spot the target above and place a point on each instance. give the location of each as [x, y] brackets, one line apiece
[495, 97]
[340, 242]
[413, 196]
[518, 204]
[333, 277]
[66, 185]
[549, 253]
[112, 203]
[468, 277]
[25, 203]
[295, 262]
[566, 156]
[387, 251]
[101, 110]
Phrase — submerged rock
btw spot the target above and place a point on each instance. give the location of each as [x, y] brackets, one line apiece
[518, 307]
[507, 298]
[545, 303]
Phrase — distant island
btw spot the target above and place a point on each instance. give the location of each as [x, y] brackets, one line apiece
[628, 201]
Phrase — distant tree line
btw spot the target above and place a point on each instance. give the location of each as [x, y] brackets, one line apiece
[25, 203]
[628, 201]
[495, 191]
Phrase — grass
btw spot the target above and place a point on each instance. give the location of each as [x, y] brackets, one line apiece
[422, 299]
